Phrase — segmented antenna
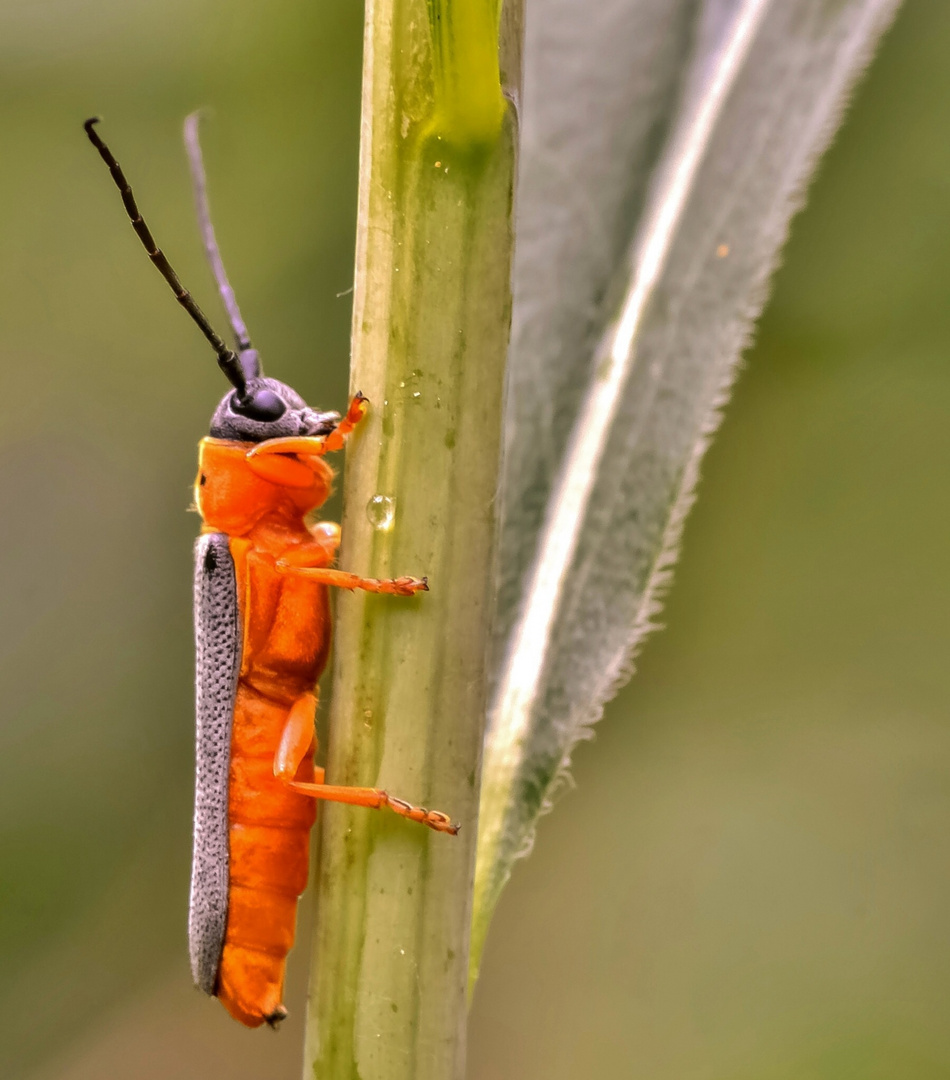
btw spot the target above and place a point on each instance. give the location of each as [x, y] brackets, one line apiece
[200, 183]
[227, 361]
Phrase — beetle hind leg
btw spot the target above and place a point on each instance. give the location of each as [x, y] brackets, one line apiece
[298, 738]
[377, 799]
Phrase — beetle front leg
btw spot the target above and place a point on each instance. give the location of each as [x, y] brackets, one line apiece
[354, 414]
[314, 445]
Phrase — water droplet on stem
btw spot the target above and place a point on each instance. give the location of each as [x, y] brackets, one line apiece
[381, 511]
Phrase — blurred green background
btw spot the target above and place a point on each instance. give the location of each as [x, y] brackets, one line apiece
[752, 879]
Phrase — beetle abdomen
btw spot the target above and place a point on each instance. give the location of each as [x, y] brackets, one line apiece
[269, 853]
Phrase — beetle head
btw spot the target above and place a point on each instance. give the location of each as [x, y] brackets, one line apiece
[269, 410]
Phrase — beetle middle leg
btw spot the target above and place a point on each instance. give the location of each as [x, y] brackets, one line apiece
[298, 739]
[401, 586]
[311, 561]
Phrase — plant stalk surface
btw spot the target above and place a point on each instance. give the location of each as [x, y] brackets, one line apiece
[432, 309]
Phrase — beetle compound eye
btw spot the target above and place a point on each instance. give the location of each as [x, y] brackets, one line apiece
[263, 405]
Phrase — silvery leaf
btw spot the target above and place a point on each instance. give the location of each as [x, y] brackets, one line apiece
[666, 146]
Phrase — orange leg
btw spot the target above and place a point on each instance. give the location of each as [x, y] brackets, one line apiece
[401, 586]
[310, 561]
[321, 551]
[326, 535]
[296, 740]
[376, 799]
[354, 414]
[280, 469]
[317, 445]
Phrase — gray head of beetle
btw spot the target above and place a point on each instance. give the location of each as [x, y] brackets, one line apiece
[267, 409]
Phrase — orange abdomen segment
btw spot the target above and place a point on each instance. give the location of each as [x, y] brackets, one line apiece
[269, 832]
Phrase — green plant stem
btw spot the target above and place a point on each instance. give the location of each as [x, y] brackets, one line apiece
[430, 331]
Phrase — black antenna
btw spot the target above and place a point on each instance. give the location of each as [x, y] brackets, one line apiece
[200, 184]
[227, 361]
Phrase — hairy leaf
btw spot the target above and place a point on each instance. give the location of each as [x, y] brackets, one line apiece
[666, 146]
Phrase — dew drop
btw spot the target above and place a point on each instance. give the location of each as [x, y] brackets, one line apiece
[381, 511]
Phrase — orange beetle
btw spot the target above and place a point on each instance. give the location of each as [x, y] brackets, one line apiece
[262, 633]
